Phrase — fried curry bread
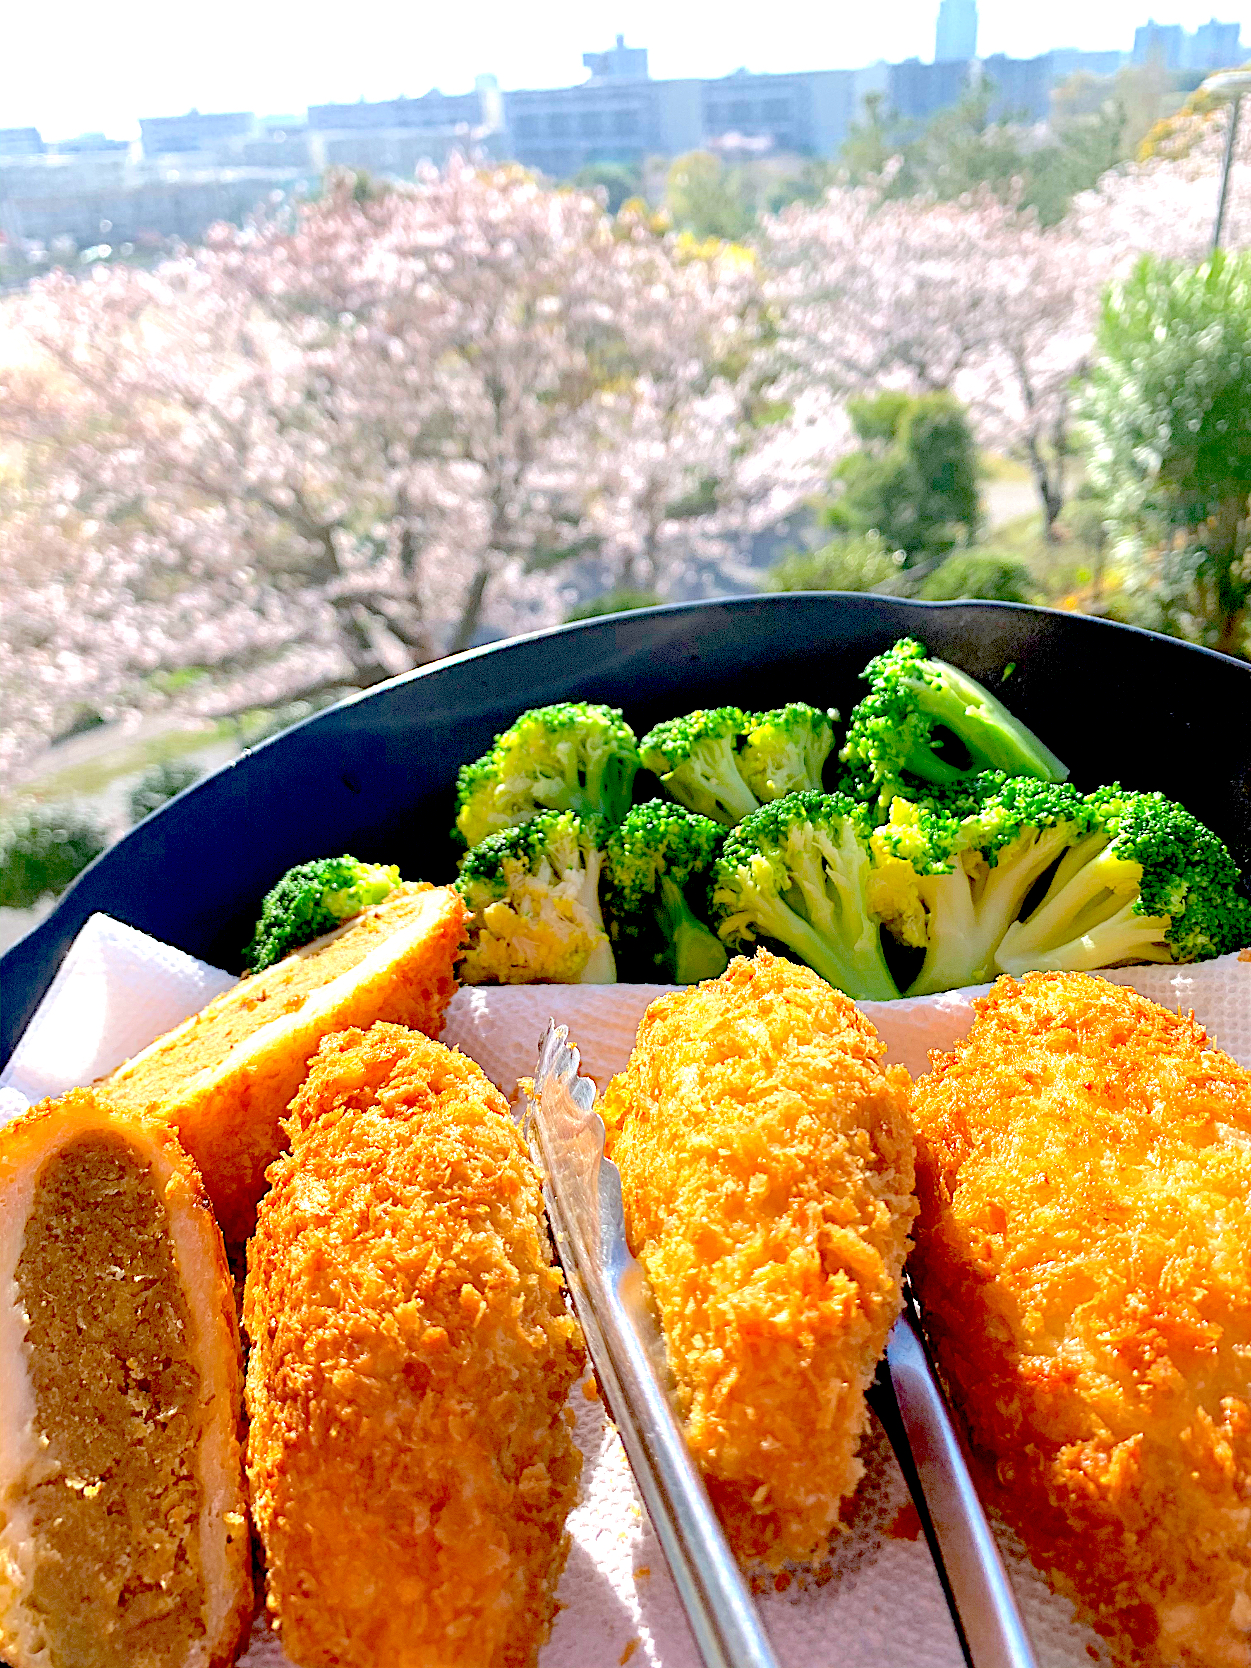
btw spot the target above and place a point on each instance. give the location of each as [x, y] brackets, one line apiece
[410, 1455]
[123, 1522]
[766, 1168]
[1084, 1263]
[224, 1078]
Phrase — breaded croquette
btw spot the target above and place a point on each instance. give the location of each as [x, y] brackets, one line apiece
[766, 1167]
[1084, 1265]
[123, 1521]
[225, 1077]
[410, 1457]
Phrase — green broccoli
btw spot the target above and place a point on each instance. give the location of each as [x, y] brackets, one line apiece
[900, 734]
[533, 893]
[783, 751]
[661, 855]
[1149, 882]
[697, 760]
[312, 899]
[952, 876]
[797, 871]
[569, 757]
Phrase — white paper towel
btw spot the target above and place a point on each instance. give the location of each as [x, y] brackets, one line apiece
[879, 1604]
[116, 991]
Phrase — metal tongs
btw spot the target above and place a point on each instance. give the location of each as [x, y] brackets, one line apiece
[582, 1190]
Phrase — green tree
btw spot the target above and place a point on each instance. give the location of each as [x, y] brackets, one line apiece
[872, 141]
[619, 181]
[1095, 123]
[42, 850]
[866, 563]
[619, 601]
[707, 198]
[914, 480]
[1167, 427]
[979, 573]
[160, 784]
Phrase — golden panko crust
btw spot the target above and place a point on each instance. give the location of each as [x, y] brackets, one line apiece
[766, 1166]
[225, 1077]
[1084, 1260]
[410, 1455]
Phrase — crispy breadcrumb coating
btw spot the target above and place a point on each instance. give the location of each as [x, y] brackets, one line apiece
[766, 1166]
[410, 1456]
[1084, 1261]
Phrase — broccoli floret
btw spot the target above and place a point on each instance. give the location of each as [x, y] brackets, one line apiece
[533, 891]
[1149, 882]
[783, 751]
[312, 899]
[658, 860]
[953, 884]
[697, 760]
[899, 735]
[797, 871]
[569, 757]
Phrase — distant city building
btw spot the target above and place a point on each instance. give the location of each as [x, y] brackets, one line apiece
[621, 63]
[616, 118]
[918, 91]
[394, 136]
[20, 141]
[1159, 43]
[955, 39]
[178, 135]
[191, 170]
[1212, 46]
[89, 144]
[1067, 60]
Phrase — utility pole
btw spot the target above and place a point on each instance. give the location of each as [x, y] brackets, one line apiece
[1229, 85]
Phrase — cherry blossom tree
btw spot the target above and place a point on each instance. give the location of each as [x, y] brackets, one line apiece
[319, 451]
[1165, 205]
[971, 296]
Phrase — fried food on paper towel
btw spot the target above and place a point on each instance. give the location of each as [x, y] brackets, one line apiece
[1084, 1261]
[410, 1458]
[766, 1166]
[224, 1078]
[123, 1530]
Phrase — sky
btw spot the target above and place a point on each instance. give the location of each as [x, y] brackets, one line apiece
[73, 66]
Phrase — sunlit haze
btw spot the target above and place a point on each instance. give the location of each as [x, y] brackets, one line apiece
[78, 66]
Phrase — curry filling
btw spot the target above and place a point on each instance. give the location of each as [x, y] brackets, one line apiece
[117, 1578]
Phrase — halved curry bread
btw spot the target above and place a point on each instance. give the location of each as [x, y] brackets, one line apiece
[224, 1078]
[123, 1519]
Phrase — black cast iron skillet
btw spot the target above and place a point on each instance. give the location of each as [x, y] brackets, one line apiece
[375, 775]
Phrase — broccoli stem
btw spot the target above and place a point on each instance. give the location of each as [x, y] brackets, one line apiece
[995, 739]
[601, 964]
[970, 912]
[1121, 937]
[693, 952]
[863, 975]
[600, 967]
[1077, 901]
[709, 781]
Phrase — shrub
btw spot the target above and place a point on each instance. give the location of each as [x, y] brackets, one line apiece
[915, 478]
[160, 784]
[1168, 431]
[866, 563]
[978, 573]
[612, 602]
[42, 850]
